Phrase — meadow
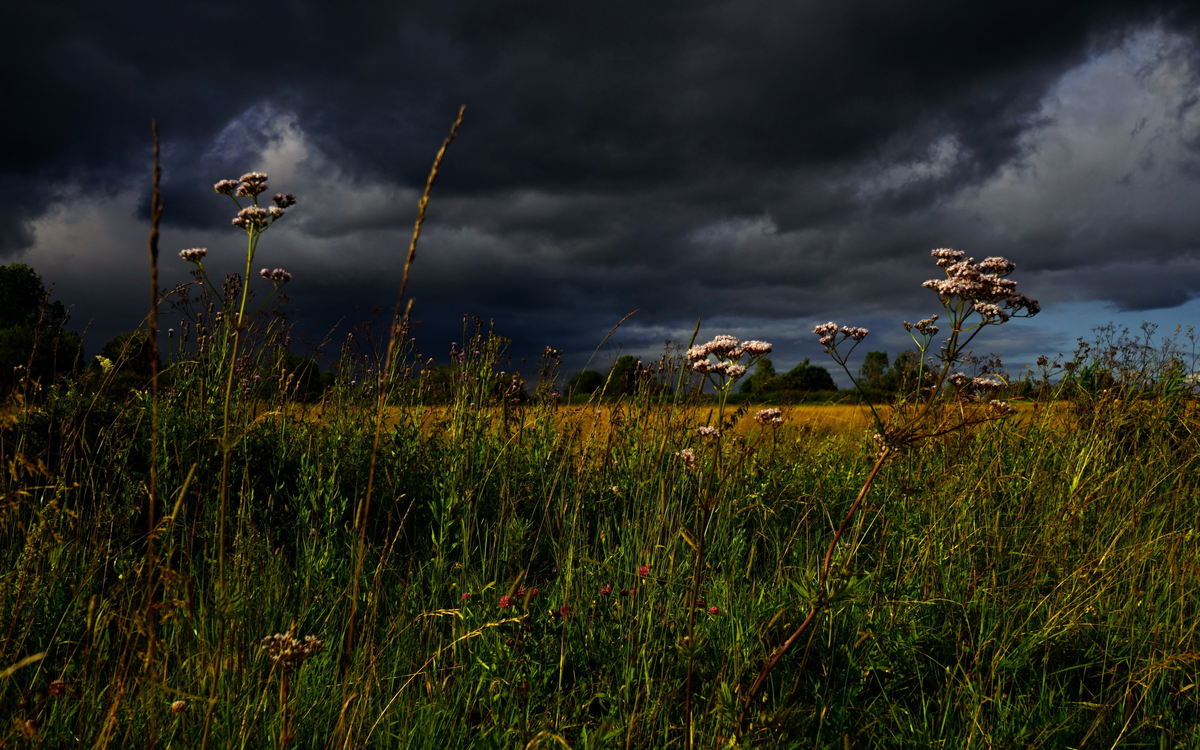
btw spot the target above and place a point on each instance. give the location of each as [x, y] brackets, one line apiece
[204, 560]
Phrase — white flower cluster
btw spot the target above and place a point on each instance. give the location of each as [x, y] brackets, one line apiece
[981, 284]
[688, 457]
[288, 651]
[924, 327]
[278, 276]
[728, 351]
[772, 417]
[829, 331]
[708, 432]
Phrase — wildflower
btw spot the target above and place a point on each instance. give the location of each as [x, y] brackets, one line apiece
[958, 380]
[178, 707]
[605, 590]
[981, 284]
[756, 348]
[193, 255]
[924, 327]
[289, 652]
[708, 432]
[533, 593]
[226, 187]
[1042, 361]
[278, 276]
[858, 334]
[505, 601]
[1002, 408]
[987, 384]
[57, 688]
[688, 457]
[773, 417]
[275, 211]
[284, 200]
[253, 183]
[105, 363]
[565, 611]
[251, 218]
[714, 610]
[466, 597]
[644, 571]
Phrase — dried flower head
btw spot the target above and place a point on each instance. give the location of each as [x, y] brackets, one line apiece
[289, 652]
[284, 200]
[193, 255]
[226, 187]
[178, 707]
[1042, 360]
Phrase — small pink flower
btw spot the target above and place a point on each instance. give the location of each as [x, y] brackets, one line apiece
[605, 590]
[714, 610]
[566, 610]
[533, 593]
[466, 597]
[644, 571]
[505, 601]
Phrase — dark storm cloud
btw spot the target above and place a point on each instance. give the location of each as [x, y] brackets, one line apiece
[758, 160]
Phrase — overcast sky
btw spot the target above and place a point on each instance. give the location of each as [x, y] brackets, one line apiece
[763, 164]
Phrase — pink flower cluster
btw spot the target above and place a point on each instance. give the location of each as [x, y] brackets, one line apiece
[728, 347]
[1002, 408]
[278, 276]
[772, 417]
[688, 457]
[981, 284]
[252, 217]
[924, 327]
[728, 351]
[829, 331]
[194, 255]
[708, 432]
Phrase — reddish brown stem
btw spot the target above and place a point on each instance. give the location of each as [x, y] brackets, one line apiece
[773, 661]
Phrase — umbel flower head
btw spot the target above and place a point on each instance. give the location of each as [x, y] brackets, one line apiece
[828, 333]
[288, 651]
[982, 285]
[772, 417]
[728, 352]
[193, 255]
[277, 276]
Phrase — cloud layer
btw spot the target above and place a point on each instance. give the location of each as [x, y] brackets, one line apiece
[763, 164]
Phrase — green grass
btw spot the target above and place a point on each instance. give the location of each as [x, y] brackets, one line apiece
[1023, 583]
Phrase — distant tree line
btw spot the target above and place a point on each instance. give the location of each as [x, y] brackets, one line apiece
[34, 340]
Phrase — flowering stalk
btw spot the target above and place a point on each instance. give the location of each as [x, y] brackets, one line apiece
[974, 296]
[722, 373]
[255, 221]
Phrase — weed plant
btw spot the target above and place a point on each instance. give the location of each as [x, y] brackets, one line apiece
[659, 572]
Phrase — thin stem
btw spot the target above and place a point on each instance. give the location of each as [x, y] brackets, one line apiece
[384, 377]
